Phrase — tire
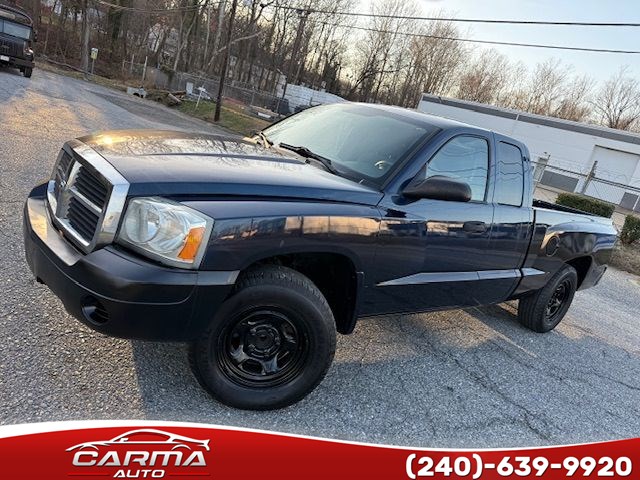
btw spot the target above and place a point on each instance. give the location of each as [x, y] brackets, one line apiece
[27, 72]
[542, 310]
[269, 345]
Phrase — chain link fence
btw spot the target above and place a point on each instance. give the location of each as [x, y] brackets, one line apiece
[296, 97]
[613, 187]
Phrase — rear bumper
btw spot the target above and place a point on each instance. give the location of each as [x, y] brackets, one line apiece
[116, 293]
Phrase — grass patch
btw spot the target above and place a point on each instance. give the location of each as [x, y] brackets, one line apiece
[627, 258]
[231, 117]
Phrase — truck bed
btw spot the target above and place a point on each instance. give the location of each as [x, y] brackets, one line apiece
[544, 209]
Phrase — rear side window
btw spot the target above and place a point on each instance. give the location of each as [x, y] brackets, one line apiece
[510, 185]
[463, 158]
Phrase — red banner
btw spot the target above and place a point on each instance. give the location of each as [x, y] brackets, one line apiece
[171, 450]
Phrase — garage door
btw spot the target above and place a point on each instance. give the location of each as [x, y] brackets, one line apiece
[615, 166]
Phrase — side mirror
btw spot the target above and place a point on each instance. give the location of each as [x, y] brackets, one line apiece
[35, 36]
[440, 187]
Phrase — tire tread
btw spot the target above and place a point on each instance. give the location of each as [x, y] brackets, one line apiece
[531, 308]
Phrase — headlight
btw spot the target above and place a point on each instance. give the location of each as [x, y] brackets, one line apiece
[167, 231]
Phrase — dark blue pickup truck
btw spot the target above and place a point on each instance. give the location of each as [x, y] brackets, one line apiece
[258, 250]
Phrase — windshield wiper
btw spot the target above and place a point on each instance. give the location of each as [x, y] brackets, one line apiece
[265, 140]
[308, 154]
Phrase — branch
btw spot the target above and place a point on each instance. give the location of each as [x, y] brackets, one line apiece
[236, 40]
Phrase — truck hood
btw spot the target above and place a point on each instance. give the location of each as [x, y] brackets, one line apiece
[183, 164]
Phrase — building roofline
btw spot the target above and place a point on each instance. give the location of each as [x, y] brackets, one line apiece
[594, 130]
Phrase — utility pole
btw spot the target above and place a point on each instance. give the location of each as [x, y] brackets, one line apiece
[225, 63]
[304, 14]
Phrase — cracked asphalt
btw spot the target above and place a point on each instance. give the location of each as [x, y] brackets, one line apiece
[464, 378]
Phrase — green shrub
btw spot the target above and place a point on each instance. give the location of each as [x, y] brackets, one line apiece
[631, 230]
[586, 204]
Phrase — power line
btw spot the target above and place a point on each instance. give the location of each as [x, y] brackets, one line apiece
[487, 42]
[461, 20]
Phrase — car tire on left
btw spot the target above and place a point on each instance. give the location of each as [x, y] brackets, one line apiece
[269, 344]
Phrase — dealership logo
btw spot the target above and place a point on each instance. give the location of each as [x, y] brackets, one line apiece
[142, 453]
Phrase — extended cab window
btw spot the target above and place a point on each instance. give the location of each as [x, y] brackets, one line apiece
[510, 184]
[464, 158]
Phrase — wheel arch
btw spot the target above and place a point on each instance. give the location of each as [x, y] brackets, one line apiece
[582, 265]
[334, 273]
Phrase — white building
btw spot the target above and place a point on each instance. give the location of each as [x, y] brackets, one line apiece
[564, 152]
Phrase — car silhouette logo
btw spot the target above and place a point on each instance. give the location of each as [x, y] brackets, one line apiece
[146, 436]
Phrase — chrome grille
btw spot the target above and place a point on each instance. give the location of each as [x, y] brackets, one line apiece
[82, 219]
[91, 187]
[61, 173]
[86, 196]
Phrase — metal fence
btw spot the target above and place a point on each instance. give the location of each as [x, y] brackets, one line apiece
[241, 92]
[612, 187]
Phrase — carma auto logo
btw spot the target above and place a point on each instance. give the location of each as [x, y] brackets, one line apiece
[143, 453]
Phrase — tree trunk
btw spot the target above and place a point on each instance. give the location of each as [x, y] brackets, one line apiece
[84, 55]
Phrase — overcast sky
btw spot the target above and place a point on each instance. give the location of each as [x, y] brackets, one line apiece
[598, 65]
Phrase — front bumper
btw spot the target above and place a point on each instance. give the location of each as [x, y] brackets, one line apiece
[18, 62]
[116, 293]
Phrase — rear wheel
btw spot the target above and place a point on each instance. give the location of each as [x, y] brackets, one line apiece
[27, 72]
[542, 310]
[269, 345]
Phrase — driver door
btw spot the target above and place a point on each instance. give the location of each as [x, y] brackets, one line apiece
[434, 253]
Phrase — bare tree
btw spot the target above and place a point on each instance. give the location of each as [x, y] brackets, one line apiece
[484, 78]
[546, 87]
[574, 103]
[617, 103]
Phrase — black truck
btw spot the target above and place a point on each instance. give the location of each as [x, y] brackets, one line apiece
[16, 37]
[257, 251]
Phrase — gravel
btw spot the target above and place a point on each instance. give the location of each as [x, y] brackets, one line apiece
[463, 378]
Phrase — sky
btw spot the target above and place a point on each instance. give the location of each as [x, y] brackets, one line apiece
[599, 66]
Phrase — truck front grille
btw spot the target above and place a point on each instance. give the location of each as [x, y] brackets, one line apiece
[91, 187]
[82, 219]
[86, 196]
[11, 48]
[78, 199]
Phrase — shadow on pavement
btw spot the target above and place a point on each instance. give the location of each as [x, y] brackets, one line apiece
[467, 378]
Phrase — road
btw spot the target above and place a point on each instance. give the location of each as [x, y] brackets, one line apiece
[465, 378]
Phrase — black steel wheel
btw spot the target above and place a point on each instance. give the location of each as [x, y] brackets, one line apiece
[542, 310]
[557, 300]
[263, 348]
[269, 345]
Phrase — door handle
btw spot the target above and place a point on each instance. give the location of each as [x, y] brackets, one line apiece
[474, 227]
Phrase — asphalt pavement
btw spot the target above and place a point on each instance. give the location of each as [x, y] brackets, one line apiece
[464, 378]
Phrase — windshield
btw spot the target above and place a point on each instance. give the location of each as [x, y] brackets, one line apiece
[15, 29]
[362, 142]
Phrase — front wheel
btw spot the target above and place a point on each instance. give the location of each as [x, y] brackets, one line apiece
[27, 72]
[542, 310]
[269, 345]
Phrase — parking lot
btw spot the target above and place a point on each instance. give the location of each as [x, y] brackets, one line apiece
[462, 378]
